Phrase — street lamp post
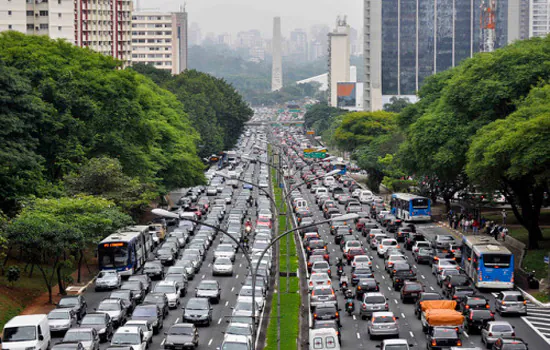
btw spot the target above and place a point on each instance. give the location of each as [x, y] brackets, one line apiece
[254, 269]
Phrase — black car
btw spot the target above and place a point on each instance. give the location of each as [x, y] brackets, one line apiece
[127, 297]
[326, 311]
[101, 322]
[475, 320]
[320, 324]
[411, 290]
[398, 266]
[367, 227]
[400, 276]
[315, 244]
[451, 281]
[443, 253]
[423, 297]
[75, 302]
[150, 313]
[154, 269]
[137, 288]
[412, 238]
[360, 273]
[182, 336]
[166, 256]
[341, 232]
[443, 338]
[366, 285]
[198, 311]
[473, 302]
[459, 292]
[510, 344]
[159, 299]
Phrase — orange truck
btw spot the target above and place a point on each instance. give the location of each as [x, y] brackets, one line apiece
[440, 313]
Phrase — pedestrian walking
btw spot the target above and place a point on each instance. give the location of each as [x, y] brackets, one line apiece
[504, 233]
[475, 226]
[455, 221]
[504, 216]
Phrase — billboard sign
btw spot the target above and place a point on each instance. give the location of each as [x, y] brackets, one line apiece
[347, 94]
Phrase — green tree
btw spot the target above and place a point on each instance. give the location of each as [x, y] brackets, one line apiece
[512, 155]
[396, 104]
[320, 117]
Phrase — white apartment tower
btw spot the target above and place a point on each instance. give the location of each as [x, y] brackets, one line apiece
[338, 59]
[539, 18]
[54, 18]
[160, 39]
[102, 25]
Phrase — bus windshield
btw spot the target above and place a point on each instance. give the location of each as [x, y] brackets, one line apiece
[496, 260]
[112, 256]
[420, 203]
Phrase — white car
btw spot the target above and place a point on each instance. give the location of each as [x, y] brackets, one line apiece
[246, 294]
[241, 329]
[108, 279]
[319, 279]
[129, 336]
[385, 244]
[244, 307]
[145, 326]
[232, 341]
[361, 260]
[222, 266]
[391, 344]
[421, 244]
[172, 291]
[376, 239]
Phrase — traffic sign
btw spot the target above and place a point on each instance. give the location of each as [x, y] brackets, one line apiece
[309, 150]
[310, 132]
[317, 155]
[546, 260]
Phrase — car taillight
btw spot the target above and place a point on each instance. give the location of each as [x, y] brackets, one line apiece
[311, 283]
[455, 297]
[358, 287]
[337, 314]
[458, 343]
[434, 343]
[449, 285]
[397, 280]
[364, 306]
[513, 334]
[490, 334]
[353, 275]
[525, 302]
[471, 317]
[387, 306]
[314, 315]
[487, 306]
[503, 303]
[328, 271]
[381, 246]
[467, 307]
[329, 282]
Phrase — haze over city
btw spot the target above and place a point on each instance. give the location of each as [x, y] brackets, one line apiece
[232, 16]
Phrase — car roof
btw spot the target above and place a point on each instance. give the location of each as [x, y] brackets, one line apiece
[25, 320]
[394, 341]
[125, 329]
[382, 314]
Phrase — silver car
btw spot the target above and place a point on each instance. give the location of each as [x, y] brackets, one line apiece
[61, 320]
[382, 324]
[373, 302]
[225, 251]
[172, 291]
[322, 294]
[87, 336]
[496, 329]
[107, 279]
[222, 266]
[508, 302]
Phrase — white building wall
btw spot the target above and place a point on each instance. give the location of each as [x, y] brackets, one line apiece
[13, 15]
[339, 66]
[539, 18]
[61, 21]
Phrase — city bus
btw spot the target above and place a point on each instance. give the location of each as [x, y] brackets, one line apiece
[488, 263]
[124, 252]
[410, 207]
[340, 166]
[149, 244]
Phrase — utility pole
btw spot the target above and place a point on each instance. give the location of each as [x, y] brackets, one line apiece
[487, 23]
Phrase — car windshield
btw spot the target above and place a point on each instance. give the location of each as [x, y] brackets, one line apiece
[108, 306]
[181, 330]
[444, 333]
[362, 271]
[120, 295]
[226, 248]
[152, 267]
[77, 336]
[144, 311]
[501, 328]
[517, 297]
[238, 330]
[223, 261]
[234, 346]
[165, 289]
[93, 320]
[125, 338]
[322, 291]
[375, 299]
[58, 316]
[68, 302]
[413, 287]
[196, 304]
[383, 319]
[241, 305]
[14, 334]
[105, 274]
[482, 315]
[512, 346]
[208, 286]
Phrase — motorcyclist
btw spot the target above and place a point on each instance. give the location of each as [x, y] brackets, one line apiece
[344, 281]
[248, 226]
[245, 243]
[340, 266]
[350, 301]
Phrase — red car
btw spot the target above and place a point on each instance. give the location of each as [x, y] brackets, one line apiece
[263, 222]
[352, 252]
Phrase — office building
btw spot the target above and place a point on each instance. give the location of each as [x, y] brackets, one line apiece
[160, 39]
[338, 58]
[299, 45]
[518, 20]
[277, 64]
[195, 34]
[406, 41]
[54, 18]
[539, 18]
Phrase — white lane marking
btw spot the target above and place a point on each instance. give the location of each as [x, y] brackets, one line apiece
[432, 288]
[162, 343]
[232, 288]
[466, 334]
[220, 320]
[383, 277]
[203, 276]
[240, 265]
[411, 333]
[236, 277]
[389, 288]
[358, 335]
[396, 301]
[210, 342]
[333, 249]
[209, 264]
[414, 266]
[403, 315]
[423, 276]
[177, 320]
[354, 318]
[226, 303]
[377, 267]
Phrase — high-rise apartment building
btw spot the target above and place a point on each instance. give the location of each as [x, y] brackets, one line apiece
[53, 18]
[102, 25]
[195, 34]
[299, 45]
[409, 40]
[277, 63]
[539, 18]
[160, 39]
[338, 59]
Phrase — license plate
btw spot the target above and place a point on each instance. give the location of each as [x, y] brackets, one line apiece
[414, 294]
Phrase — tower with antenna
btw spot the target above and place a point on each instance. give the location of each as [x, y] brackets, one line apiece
[487, 23]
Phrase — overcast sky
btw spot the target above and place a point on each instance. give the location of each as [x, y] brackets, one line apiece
[231, 16]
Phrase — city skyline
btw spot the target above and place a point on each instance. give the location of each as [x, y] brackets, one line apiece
[212, 15]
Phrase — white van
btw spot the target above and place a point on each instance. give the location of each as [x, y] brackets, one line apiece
[329, 181]
[365, 196]
[321, 339]
[27, 332]
[320, 191]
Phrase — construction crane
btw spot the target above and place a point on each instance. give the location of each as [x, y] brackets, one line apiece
[487, 21]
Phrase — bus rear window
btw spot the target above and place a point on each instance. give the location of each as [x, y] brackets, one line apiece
[496, 260]
[420, 203]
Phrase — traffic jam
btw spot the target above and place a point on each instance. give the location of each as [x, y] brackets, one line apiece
[380, 280]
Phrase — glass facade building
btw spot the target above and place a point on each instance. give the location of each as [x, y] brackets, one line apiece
[423, 37]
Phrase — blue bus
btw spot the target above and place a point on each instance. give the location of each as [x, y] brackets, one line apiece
[488, 263]
[340, 166]
[125, 252]
[410, 207]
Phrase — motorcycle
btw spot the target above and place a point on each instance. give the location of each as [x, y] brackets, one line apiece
[350, 302]
[340, 270]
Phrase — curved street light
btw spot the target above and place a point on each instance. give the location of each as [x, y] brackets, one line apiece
[253, 269]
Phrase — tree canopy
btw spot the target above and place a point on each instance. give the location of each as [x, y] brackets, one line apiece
[66, 104]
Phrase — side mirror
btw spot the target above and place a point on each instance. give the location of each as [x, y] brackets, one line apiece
[95, 309]
[165, 333]
[411, 345]
[379, 346]
[41, 337]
